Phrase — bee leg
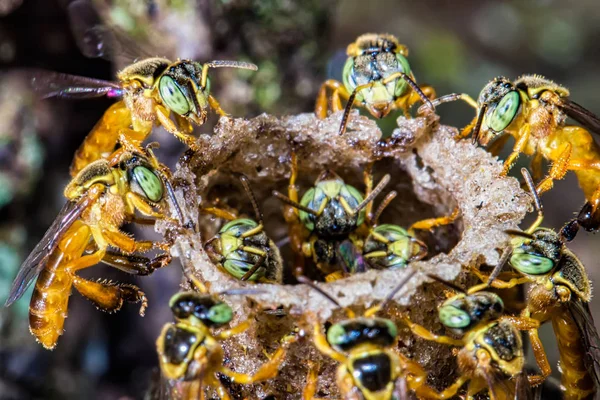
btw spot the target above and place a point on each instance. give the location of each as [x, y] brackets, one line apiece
[163, 118]
[267, 371]
[368, 180]
[142, 221]
[184, 124]
[520, 144]
[536, 166]
[323, 346]
[497, 145]
[219, 213]
[310, 389]
[496, 283]
[540, 358]
[431, 223]
[214, 104]
[414, 98]
[236, 330]
[129, 245]
[216, 384]
[321, 104]
[426, 334]
[425, 391]
[466, 131]
[135, 201]
[136, 265]
[558, 170]
[110, 296]
[531, 325]
[194, 391]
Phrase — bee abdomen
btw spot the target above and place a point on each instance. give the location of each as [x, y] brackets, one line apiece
[577, 382]
[48, 306]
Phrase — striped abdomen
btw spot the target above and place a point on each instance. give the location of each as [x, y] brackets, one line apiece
[577, 382]
[50, 298]
[104, 136]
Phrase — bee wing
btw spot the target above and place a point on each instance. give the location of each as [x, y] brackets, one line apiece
[95, 39]
[350, 258]
[37, 259]
[47, 84]
[581, 314]
[523, 390]
[580, 114]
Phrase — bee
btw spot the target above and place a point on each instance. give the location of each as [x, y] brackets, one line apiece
[363, 347]
[385, 246]
[329, 212]
[242, 248]
[189, 350]
[149, 91]
[560, 292]
[391, 246]
[100, 198]
[378, 76]
[534, 111]
[491, 345]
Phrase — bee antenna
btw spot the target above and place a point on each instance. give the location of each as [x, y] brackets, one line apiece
[451, 285]
[171, 194]
[294, 204]
[386, 201]
[501, 263]
[477, 128]
[250, 193]
[517, 232]
[254, 268]
[373, 310]
[380, 186]
[304, 280]
[347, 110]
[232, 64]
[241, 292]
[536, 196]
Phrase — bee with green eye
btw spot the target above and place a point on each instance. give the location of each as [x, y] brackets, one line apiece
[560, 292]
[190, 352]
[491, 350]
[534, 111]
[364, 348]
[150, 91]
[377, 75]
[242, 248]
[325, 216]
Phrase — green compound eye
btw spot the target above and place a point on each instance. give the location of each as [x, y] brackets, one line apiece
[348, 75]
[220, 313]
[335, 334]
[172, 96]
[454, 317]
[149, 182]
[402, 85]
[505, 112]
[392, 328]
[531, 264]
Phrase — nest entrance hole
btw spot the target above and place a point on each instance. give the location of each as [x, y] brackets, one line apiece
[224, 190]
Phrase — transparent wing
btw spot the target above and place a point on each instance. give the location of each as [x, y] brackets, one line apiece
[582, 115]
[37, 259]
[350, 258]
[523, 390]
[47, 84]
[581, 314]
[95, 39]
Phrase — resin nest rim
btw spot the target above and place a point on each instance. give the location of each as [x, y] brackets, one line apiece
[445, 173]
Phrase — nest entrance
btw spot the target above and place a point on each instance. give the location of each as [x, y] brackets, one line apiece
[223, 189]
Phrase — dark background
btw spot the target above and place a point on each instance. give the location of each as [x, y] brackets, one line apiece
[456, 46]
